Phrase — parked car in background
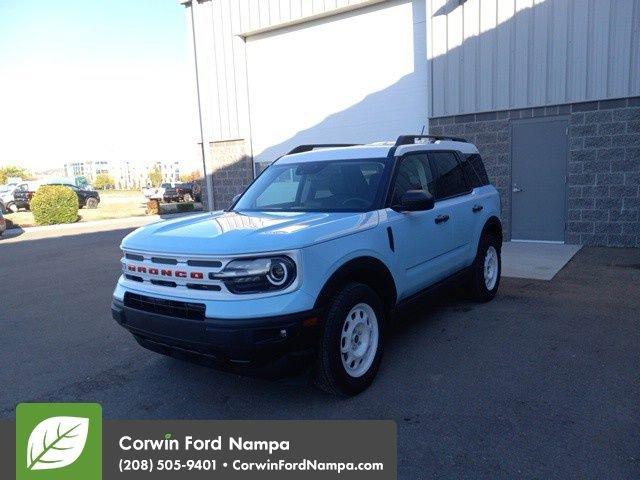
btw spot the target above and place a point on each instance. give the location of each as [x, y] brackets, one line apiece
[86, 197]
[183, 192]
[3, 223]
[6, 197]
[7, 194]
[156, 193]
[22, 196]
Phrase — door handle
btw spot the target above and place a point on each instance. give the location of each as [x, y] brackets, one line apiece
[477, 208]
[517, 189]
[442, 218]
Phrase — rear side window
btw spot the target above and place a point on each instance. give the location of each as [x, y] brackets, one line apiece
[474, 170]
[414, 173]
[450, 179]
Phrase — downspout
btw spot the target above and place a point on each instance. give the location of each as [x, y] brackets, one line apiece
[203, 149]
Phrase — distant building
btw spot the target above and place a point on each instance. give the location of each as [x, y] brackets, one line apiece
[127, 174]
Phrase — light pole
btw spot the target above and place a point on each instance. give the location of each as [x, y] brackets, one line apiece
[203, 149]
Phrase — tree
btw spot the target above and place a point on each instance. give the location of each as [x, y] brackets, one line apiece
[155, 177]
[13, 171]
[104, 180]
[190, 177]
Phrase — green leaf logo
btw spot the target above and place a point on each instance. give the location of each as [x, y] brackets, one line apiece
[56, 442]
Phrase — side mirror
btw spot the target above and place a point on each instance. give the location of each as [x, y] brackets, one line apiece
[415, 201]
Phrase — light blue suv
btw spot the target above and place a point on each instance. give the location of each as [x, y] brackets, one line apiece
[315, 257]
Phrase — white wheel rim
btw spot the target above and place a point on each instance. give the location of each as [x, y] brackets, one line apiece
[359, 340]
[491, 268]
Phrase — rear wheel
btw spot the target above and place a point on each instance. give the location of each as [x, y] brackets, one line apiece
[187, 197]
[11, 207]
[351, 344]
[485, 275]
[92, 202]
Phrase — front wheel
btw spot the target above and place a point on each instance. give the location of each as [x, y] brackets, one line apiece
[92, 203]
[486, 269]
[11, 207]
[351, 344]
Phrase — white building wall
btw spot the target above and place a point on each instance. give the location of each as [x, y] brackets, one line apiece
[220, 26]
[504, 54]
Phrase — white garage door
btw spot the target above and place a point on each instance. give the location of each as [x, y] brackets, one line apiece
[355, 77]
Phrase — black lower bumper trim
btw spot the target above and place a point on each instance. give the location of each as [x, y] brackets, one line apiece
[234, 342]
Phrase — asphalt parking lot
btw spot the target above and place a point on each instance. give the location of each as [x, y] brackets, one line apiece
[544, 382]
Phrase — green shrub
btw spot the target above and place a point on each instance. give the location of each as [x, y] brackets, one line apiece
[184, 207]
[53, 204]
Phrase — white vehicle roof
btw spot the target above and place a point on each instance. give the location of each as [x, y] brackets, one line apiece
[375, 150]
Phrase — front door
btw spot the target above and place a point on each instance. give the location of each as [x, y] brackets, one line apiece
[539, 168]
[422, 240]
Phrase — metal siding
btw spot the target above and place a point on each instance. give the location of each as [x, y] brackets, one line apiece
[437, 51]
[558, 52]
[504, 57]
[529, 53]
[222, 54]
[487, 54]
[339, 108]
[470, 45]
[634, 77]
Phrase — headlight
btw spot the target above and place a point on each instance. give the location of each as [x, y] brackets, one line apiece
[257, 275]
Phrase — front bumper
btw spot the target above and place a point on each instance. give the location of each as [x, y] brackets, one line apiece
[231, 342]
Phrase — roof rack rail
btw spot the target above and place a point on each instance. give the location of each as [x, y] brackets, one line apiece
[411, 139]
[308, 148]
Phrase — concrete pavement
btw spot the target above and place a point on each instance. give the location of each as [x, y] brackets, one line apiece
[540, 383]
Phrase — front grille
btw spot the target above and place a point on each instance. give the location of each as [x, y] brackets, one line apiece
[164, 283]
[199, 286]
[178, 273]
[164, 261]
[204, 263]
[169, 308]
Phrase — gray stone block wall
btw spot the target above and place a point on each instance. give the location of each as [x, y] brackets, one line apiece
[231, 172]
[603, 171]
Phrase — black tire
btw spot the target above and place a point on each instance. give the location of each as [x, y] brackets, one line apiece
[480, 291]
[331, 375]
[187, 198]
[92, 203]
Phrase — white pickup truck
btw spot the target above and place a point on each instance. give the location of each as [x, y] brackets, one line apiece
[156, 193]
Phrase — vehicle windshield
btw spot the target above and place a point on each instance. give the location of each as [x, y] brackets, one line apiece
[329, 186]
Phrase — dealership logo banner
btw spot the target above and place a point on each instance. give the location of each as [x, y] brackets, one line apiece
[70, 441]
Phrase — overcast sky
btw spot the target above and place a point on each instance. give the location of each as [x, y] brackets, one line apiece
[94, 80]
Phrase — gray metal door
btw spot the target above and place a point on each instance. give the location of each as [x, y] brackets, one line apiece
[539, 166]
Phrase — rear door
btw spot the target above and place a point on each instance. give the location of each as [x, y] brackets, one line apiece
[453, 197]
[421, 239]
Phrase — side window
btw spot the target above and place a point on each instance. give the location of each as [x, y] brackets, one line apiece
[414, 173]
[450, 179]
[474, 170]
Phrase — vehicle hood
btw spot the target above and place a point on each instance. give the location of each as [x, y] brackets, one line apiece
[224, 233]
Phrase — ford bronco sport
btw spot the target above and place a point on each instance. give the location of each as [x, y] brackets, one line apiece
[315, 257]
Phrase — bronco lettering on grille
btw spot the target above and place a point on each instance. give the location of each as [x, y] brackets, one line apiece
[165, 272]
